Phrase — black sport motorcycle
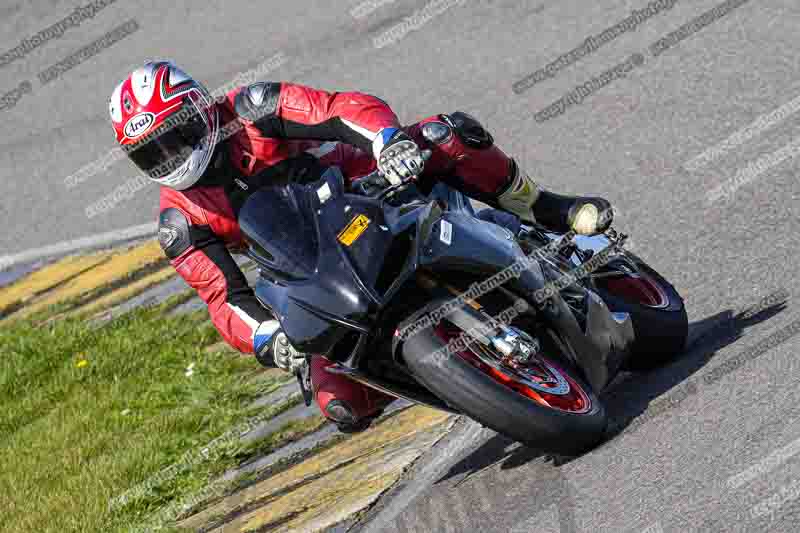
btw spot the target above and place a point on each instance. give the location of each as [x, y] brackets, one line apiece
[420, 297]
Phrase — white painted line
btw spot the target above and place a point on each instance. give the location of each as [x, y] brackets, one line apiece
[68, 247]
[755, 128]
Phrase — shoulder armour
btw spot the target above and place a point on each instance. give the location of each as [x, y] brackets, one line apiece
[258, 101]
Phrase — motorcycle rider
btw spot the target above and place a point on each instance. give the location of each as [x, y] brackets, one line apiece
[209, 155]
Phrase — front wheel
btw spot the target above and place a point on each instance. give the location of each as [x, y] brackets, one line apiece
[540, 403]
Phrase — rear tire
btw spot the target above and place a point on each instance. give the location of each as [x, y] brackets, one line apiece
[660, 334]
[479, 396]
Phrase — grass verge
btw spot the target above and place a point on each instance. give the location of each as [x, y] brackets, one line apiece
[89, 413]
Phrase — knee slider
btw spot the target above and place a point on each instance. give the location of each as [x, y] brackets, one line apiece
[437, 132]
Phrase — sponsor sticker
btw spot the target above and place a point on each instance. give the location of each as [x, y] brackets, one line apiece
[139, 124]
[324, 193]
[446, 232]
[353, 230]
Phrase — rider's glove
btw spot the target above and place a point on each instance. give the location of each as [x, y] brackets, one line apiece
[273, 349]
[590, 216]
[398, 156]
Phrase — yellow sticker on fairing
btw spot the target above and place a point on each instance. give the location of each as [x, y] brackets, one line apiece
[353, 230]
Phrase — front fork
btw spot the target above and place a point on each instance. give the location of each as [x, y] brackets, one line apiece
[515, 349]
[514, 345]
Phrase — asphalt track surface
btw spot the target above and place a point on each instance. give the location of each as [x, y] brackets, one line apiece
[709, 443]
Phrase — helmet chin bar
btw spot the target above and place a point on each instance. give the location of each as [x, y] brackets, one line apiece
[192, 170]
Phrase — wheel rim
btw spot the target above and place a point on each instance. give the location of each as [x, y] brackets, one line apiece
[638, 288]
[542, 381]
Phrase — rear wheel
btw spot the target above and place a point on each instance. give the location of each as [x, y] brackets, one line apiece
[541, 402]
[657, 311]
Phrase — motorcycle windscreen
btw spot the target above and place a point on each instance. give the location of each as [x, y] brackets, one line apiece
[280, 231]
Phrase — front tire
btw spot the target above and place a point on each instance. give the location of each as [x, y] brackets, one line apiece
[497, 405]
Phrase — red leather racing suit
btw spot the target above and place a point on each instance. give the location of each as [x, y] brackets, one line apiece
[275, 132]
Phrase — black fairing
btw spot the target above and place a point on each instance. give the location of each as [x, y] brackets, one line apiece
[319, 288]
[272, 220]
[322, 289]
[474, 247]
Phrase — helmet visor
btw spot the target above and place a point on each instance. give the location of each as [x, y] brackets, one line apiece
[171, 144]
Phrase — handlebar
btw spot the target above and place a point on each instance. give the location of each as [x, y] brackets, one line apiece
[374, 178]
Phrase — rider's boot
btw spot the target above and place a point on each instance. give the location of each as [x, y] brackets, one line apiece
[465, 156]
[585, 215]
[350, 405]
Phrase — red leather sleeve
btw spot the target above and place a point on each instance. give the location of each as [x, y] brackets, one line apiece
[350, 117]
[200, 256]
[233, 309]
